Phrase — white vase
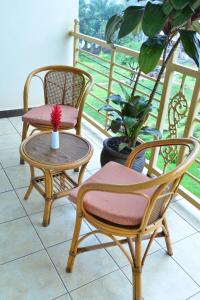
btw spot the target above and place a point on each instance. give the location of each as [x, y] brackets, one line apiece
[55, 140]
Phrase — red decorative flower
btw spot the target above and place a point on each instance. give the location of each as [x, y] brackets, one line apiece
[56, 114]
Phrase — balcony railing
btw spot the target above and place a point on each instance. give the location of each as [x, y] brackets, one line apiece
[177, 101]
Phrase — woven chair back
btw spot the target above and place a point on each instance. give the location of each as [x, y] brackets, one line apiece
[166, 191]
[64, 87]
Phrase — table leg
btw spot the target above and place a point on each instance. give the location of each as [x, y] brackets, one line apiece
[81, 173]
[48, 197]
[31, 183]
[47, 212]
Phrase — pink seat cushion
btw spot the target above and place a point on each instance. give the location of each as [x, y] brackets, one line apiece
[122, 209]
[41, 115]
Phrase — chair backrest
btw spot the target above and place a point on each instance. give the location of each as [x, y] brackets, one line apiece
[62, 85]
[165, 186]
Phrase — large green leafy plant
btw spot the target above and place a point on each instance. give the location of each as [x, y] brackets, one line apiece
[128, 117]
[166, 24]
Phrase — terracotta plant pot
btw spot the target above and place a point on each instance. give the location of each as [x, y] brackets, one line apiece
[110, 153]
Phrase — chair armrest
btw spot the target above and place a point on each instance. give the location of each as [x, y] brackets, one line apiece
[159, 143]
[134, 153]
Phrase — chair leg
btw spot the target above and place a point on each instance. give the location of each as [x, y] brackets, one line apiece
[167, 238]
[78, 130]
[24, 134]
[137, 270]
[74, 244]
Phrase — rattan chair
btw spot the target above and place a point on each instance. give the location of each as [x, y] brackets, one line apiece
[67, 86]
[120, 202]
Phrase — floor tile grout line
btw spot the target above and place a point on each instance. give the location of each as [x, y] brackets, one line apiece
[62, 296]
[179, 214]
[121, 268]
[27, 214]
[14, 125]
[163, 249]
[46, 250]
[60, 243]
[44, 247]
[57, 271]
[7, 190]
[198, 284]
[8, 221]
[183, 218]
[13, 166]
[21, 257]
[94, 280]
[198, 293]
[176, 260]
[48, 255]
[107, 251]
[69, 291]
[10, 180]
[55, 265]
[178, 241]
[132, 283]
[41, 211]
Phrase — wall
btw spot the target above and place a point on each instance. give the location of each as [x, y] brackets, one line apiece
[33, 34]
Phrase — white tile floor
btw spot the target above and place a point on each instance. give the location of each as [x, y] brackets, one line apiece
[33, 258]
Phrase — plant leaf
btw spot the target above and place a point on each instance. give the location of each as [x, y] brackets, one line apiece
[180, 4]
[138, 28]
[191, 45]
[109, 108]
[122, 146]
[154, 19]
[195, 4]
[152, 131]
[182, 16]
[113, 114]
[112, 26]
[196, 26]
[140, 105]
[167, 8]
[135, 99]
[130, 123]
[116, 125]
[117, 99]
[124, 91]
[131, 18]
[150, 53]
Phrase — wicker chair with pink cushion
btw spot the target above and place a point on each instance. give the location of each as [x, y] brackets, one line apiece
[120, 202]
[64, 85]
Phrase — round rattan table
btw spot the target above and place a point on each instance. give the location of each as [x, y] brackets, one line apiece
[74, 153]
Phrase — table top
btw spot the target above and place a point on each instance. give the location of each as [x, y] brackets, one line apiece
[73, 152]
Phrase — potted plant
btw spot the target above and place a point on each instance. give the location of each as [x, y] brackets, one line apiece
[166, 24]
[128, 118]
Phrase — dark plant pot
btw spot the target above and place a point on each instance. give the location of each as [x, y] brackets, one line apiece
[110, 153]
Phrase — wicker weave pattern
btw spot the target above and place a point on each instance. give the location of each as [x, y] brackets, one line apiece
[161, 204]
[63, 87]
